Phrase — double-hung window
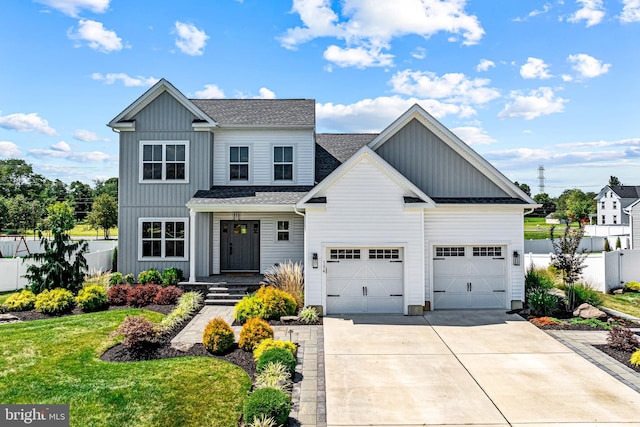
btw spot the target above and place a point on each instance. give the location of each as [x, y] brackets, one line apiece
[283, 231]
[163, 238]
[282, 163]
[164, 161]
[238, 163]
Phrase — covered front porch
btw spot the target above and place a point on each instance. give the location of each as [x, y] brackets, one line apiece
[224, 289]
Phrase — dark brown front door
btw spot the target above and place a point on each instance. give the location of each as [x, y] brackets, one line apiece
[240, 246]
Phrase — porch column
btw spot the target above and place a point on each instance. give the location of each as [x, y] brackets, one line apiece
[192, 246]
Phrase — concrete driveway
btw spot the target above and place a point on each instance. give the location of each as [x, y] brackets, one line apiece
[479, 368]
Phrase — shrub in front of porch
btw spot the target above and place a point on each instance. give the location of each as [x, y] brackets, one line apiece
[248, 307]
[289, 277]
[218, 336]
[276, 303]
[253, 332]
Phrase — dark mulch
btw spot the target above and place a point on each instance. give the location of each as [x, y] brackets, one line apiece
[612, 320]
[279, 323]
[621, 356]
[28, 315]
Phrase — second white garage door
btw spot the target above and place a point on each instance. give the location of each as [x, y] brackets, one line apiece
[473, 276]
[364, 280]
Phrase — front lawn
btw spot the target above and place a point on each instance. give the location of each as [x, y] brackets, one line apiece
[626, 303]
[56, 361]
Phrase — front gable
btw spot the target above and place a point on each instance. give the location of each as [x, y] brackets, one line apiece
[164, 113]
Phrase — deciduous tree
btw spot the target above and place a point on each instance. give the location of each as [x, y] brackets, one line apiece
[104, 214]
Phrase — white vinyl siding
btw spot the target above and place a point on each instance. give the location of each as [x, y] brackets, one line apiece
[261, 143]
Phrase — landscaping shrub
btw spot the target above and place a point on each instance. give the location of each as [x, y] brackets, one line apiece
[618, 243]
[289, 277]
[151, 275]
[168, 295]
[254, 331]
[622, 339]
[269, 343]
[263, 421]
[274, 375]
[130, 279]
[632, 287]
[607, 245]
[277, 355]
[308, 315]
[594, 323]
[171, 276]
[584, 293]
[100, 279]
[537, 280]
[117, 294]
[218, 336]
[138, 332]
[248, 307]
[92, 298]
[55, 301]
[545, 321]
[188, 304]
[141, 295]
[276, 303]
[116, 278]
[635, 358]
[21, 301]
[542, 303]
[267, 402]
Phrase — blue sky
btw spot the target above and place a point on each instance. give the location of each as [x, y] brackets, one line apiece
[525, 83]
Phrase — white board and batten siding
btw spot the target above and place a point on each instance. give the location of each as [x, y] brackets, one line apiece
[475, 225]
[261, 143]
[272, 251]
[365, 209]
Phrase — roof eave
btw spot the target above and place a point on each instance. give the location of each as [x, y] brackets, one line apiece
[216, 207]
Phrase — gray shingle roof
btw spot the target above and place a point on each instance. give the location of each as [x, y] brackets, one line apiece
[479, 200]
[260, 112]
[333, 149]
[260, 195]
[626, 191]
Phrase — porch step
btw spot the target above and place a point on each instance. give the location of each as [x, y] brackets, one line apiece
[225, 294]
[221, 301]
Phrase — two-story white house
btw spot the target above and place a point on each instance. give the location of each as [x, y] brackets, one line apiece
[612, 201]
[407, 219]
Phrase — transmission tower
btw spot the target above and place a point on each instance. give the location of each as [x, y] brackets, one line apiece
[541, 179]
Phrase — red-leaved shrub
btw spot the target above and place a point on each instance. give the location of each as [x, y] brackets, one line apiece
[117, 294]
[142, 295]
[137, 331]
[623, 339]
[168, 295]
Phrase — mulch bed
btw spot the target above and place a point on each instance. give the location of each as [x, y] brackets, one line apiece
[578, 327]
[621, 356]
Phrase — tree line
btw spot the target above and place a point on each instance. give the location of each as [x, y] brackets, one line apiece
[25, 197]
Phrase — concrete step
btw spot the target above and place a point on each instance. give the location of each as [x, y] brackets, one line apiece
[224, 296]
[216, 301]
[238, 290]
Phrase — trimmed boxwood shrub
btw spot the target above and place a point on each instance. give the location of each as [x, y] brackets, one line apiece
[55, 301]
[276, 303]
[269, 343]
[92, 298]
[116, 278]
[267, 402]
[248, 307]
[130, 279]
[277, 355]
[254, 331]
[21, 301]
[117, 294]
[151, 275]
[218, 336]
[168, 295]
[141, 295]
[171, 276]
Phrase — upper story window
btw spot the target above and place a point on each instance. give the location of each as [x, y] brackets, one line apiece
[615, 219]
[282, 163]
[615, 205]
[602, 204]
[164, 161]
[239, 163]
[603, 220]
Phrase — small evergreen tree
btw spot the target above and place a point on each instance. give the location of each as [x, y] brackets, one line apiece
[607, 246]
[618, 243]
[62, 264]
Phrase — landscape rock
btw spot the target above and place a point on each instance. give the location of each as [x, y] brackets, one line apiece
[587, 311]
[618, 291]
[289, 318]
[182, 346]
[8, 318]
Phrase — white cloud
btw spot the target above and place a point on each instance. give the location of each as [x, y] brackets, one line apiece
[535, 68]
[484, 65]
[419, 53]
[541, 101]
[373, 115]
[26, 123]
[546, 8]
[61, 146]
[9, 149]
[88, 136]
[191, 40]
[97, 37]
[73, 7]
[567, 78]
[630, 11]
[473, 135]
[61, 150]
[587, 66]
[210, 91]
[359, 57]
[265, 94]
[453, 87]
[111, 78]
[615, 143]
[592, 12]
[368, 27]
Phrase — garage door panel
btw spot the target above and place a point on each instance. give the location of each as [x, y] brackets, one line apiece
[487, 300]
[345, 304]
[384, 304]
[447, 301]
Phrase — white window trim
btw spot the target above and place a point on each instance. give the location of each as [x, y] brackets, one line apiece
[293, 165]
[290, 231]
[164, 144]
[228, 163]
[164, 220]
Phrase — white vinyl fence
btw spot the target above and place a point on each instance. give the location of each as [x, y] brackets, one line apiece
[603, 271]
[12, 269]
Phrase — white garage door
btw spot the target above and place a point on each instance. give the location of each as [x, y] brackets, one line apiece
[364, 280]
[472, 276]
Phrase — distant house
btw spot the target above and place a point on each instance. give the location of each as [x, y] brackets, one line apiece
[408, 219]
[612, 201]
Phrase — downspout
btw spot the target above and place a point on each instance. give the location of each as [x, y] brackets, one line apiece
[295, 209]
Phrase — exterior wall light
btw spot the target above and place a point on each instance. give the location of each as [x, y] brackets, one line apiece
[516, 258]
[314, 260]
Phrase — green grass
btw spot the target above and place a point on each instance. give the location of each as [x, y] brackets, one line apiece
[56, 361]
[627, 303]
[81, 230]
[5, 295]
[538, 229]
